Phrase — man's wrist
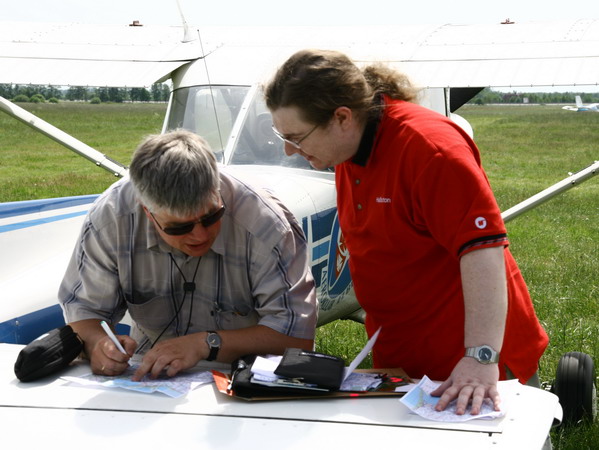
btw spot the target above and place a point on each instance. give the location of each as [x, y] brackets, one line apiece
[213, 341]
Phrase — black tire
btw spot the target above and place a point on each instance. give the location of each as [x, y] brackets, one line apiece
[575, 387]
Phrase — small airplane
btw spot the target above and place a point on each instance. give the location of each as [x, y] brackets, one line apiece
[581, 107]
[216, 74]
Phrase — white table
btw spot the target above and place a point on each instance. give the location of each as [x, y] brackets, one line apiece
[52, 413]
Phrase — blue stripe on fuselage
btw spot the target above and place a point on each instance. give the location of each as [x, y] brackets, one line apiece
[24, 329]
[33, 223]
[11, 209]
[15, 209]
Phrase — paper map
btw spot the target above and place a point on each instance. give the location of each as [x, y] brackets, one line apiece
[422, 403]
[176, 386]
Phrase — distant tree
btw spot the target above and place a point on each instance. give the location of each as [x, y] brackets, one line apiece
[6, 91]
[486, 96]
[37, 98]
[134, 94]
[116, 95]
[156, 92]
[139, 95]
[50, 91]
[102, 94]
[21, 98]
[160, 92]
[166, 93]
[24, 90]
[77, 93]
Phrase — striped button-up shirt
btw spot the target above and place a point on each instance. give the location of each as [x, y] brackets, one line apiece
[257, 271]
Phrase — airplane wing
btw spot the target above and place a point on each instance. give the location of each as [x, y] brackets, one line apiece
[509, 55]
[205, 418]
[91, 55]
[548, 54]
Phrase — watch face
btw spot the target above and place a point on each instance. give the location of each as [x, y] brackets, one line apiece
[485, 354]
[213, 340]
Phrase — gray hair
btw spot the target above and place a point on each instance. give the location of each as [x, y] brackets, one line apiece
[175, 172]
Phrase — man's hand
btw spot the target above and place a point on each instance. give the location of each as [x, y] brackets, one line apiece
[106, 359]
[173, 355]
[469, 381]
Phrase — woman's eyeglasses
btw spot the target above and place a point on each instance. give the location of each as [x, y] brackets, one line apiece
[296, 144]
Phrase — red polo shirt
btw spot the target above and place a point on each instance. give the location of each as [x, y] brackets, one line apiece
[411, 203]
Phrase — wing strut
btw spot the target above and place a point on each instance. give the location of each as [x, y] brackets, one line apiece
[551, 191]
[63, 138]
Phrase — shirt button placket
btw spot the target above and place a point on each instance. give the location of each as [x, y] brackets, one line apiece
[358, 205]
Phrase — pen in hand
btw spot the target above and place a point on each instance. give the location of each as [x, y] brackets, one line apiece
[112, 337]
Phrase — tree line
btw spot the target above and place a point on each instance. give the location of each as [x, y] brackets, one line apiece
[489, 96]
[158, 92]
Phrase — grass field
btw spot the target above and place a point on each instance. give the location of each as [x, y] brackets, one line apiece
[525, 149]
[32, 166]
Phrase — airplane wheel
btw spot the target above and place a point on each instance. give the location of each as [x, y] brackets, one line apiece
[575, 387]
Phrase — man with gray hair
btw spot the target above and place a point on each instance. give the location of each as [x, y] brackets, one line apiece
[208, 267]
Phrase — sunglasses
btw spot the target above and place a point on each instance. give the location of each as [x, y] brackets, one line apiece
[206, 221]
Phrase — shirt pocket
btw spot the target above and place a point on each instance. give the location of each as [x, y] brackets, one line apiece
[152, 315]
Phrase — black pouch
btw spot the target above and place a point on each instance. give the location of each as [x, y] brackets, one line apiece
[242, 386]
[48, 354]
[325, 371]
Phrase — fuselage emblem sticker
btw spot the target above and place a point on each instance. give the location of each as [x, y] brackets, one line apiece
[338, 277]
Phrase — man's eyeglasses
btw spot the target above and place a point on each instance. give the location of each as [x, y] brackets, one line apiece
[206, 221]
[296, 144]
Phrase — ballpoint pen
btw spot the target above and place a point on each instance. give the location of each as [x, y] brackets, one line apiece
[112, 337]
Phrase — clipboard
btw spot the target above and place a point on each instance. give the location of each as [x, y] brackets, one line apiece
[393, 378]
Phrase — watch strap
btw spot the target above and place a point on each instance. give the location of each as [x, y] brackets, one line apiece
[213, 348]
[484, 354]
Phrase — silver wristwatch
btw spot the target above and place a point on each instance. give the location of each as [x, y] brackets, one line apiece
[484, 354]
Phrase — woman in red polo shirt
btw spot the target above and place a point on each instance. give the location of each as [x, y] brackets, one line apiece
[428, 248]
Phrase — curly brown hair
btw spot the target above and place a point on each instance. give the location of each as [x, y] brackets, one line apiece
[320, 81]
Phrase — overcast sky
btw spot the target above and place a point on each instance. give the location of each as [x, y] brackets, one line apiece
[300, 12]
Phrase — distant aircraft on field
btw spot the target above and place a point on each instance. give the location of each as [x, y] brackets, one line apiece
[581, 107]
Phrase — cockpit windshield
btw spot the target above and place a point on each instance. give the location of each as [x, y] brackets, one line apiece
[207, 111]
[219, 115]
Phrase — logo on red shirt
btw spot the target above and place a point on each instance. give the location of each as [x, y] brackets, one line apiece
[480, 223]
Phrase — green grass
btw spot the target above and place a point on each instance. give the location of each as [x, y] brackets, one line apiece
[33, 166]
[525, 149]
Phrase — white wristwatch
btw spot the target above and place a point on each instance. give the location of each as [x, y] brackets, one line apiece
[484, 354]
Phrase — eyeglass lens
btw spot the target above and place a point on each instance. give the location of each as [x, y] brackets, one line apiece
[206, 221]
